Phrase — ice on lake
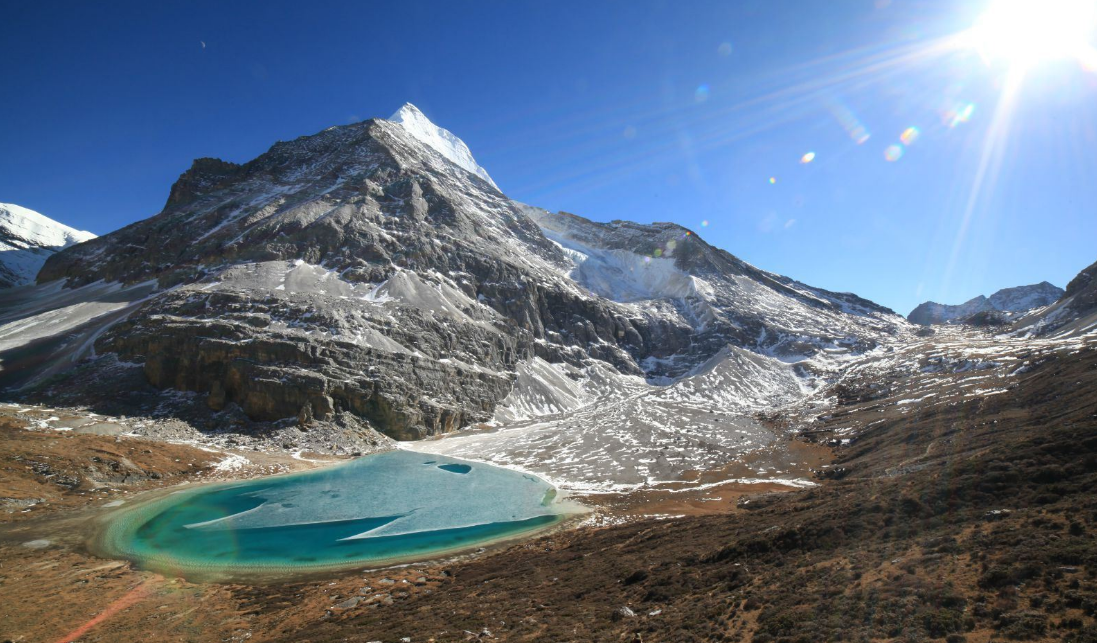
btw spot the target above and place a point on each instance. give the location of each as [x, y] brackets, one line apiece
[386, 507]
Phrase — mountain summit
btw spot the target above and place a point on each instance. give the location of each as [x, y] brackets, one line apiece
[439, 139]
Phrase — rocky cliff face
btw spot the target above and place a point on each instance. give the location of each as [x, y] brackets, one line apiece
[363, 270]
[1010, 301]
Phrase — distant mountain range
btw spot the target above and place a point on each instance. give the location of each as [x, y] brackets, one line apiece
[1010, 301]
[27, 239]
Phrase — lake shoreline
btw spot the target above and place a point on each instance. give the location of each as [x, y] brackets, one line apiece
[113, 535]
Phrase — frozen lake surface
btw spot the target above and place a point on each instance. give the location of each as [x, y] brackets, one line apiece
[383, 508]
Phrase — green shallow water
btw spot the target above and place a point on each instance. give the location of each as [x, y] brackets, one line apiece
[385, 508]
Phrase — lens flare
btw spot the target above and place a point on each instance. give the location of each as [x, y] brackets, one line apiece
[909, 135]
[893, 153]
[700, 94]
[807, 158]
[704, 224]
[133, 596]
[849, 122]
[958, 115]
[990, 161]
[772, 180]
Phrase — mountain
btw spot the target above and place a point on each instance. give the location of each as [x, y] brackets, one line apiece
[931, 312]
[363, 272]
[27, 239]
[1074, 313]
[1007, 300]
[1024, 298]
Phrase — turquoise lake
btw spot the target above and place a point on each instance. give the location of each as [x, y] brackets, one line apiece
[383, 508]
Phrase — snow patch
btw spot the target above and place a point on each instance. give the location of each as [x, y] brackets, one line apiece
[232, 463]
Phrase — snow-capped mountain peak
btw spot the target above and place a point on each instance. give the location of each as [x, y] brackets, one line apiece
[439, 139]
[34, 228]
[27, 238]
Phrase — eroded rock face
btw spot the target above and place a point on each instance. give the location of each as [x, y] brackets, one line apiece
[359, 271]
[267, 364]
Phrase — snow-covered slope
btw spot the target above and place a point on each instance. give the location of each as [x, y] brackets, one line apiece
[439, 139]
[27, 239]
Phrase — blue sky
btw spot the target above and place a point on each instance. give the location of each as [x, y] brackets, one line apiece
[649, 111]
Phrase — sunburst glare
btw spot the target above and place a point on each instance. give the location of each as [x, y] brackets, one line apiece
[1026, 32]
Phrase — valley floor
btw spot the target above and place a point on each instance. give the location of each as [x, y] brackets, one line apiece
[955, 501]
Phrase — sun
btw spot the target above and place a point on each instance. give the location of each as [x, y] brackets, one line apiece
[1028, 32]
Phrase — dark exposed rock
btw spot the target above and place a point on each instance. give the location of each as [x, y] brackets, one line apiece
[204, 175]
[1084, 281]
[987, 318]
[1082, 291]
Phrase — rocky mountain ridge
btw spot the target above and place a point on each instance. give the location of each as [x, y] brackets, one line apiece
[1019, 299]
